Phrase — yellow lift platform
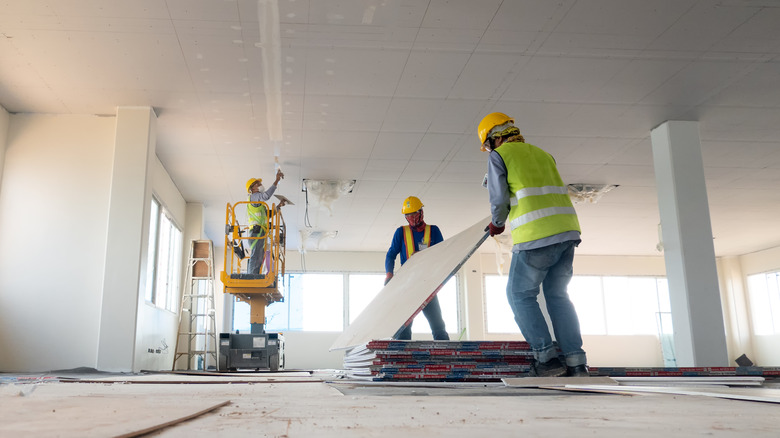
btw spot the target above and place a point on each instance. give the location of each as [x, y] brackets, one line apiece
[257, 349]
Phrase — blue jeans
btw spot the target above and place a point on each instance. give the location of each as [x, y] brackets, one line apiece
[257, 256]
[550, 267]
[432, 313]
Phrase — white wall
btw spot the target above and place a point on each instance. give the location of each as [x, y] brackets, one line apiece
[765, 348]
[54, 204]
[157, 328]
[310, 350]
[53, 216]
[4, 122]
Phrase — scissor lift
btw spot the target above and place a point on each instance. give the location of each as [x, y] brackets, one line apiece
[257, 349]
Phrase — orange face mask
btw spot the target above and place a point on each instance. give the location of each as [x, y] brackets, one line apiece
[415, 219]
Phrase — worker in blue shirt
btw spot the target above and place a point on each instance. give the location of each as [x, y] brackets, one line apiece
[407, 240]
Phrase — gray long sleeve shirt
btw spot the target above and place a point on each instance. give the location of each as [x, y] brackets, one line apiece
[262, 196]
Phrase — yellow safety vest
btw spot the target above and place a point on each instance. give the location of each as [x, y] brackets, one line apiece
[409, 239]
[258, 215]
[539, 200]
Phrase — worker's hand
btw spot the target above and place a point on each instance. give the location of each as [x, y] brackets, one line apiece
[388, 277]
[494, 230]
[279, 176]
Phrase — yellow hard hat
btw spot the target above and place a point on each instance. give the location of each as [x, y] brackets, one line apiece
[251, 181]
[411, 204]
[489, 122]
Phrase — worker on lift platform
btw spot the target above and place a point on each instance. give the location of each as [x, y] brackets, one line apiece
[257, 218]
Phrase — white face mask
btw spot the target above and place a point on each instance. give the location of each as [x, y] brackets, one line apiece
[261, 188]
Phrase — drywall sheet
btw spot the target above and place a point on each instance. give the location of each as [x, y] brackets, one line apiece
[414, 284]
[552, 382]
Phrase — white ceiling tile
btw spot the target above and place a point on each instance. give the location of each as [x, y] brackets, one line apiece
[562, 79]
[531, 15]
[597, 150]
[396, 145]
[462, 171]
[314, 167]
[757, 35]
[384, 170]
[354, 72]
[697, 82]
[486, 74]
[637, 79]
[346, 144]
[431, 74]
[405, 188]
[390, 93]
[437, 147]
[457, 116]
[623, 17]
[420, 171]
[702, 24]
[220, 10]
[756, 88]
[345, 112]
[366, 13]
[411, 115]
[463, 14]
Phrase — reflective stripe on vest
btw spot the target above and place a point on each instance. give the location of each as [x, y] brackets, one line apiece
[257, 215]
[541, 206]
[409, 239]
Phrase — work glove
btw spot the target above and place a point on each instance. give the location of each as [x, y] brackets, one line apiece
[388, 277]
[494, 230]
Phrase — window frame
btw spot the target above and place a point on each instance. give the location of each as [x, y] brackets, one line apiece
[161, 221]
[346, 302]
[609, 329]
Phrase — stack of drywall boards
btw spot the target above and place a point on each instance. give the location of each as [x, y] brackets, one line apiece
[439, 361]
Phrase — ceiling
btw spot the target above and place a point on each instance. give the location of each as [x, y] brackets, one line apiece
[389, 93]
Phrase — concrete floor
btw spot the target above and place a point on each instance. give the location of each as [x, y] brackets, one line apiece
[303, 405]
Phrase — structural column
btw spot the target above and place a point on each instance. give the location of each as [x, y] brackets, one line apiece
[128, 211]
[697, 314]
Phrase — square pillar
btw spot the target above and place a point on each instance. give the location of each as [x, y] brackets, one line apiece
[697, 314]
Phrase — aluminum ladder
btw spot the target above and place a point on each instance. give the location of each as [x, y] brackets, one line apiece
[197, 338]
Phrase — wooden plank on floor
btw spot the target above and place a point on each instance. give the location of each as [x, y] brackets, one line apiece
[70, 410]
[169, 423]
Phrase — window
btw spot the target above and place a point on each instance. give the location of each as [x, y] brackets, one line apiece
[362, 290]
[499, 317]
[764, 296]
[163, 259]
[321, 302]
[448, 301]
[313, 302]
[605, 305]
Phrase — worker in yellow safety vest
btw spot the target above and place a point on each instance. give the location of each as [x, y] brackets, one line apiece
[408, 239]
[528, 194]
[257, 218]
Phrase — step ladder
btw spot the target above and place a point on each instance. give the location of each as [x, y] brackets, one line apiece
[197, 338]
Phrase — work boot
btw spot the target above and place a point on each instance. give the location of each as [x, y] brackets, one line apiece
[551, 368]
[578, 371]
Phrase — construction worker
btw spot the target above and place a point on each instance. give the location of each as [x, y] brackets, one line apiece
[407, 240]
[257, 218]
[527, 192]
